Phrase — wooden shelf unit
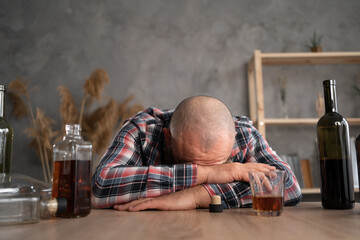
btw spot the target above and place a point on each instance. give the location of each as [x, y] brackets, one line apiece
[302, 121]
[255, 82]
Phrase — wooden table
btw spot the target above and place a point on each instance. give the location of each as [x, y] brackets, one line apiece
[308, 220]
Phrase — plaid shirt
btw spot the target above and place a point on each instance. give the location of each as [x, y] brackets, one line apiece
[133, 166]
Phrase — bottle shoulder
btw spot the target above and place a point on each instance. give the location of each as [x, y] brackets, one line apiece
[331, 119]
[357, 141]
[70, 141]
[5, 124]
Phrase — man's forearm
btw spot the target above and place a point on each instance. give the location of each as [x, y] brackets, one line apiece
[229, 172]
[156, 181]
[202, 173]
[202, 197]
[186, 199]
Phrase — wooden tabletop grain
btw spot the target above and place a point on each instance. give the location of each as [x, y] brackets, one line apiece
[308, 220]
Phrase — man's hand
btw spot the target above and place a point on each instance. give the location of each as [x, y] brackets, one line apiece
[189, 198]
[229, 172]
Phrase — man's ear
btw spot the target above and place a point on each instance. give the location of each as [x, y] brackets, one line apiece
[167, 137]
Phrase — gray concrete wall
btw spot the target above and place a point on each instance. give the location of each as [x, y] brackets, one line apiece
[163, 51]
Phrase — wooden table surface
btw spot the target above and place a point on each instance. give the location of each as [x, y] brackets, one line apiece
[308, 220]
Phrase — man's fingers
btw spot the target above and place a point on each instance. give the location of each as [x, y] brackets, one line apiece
[271, 168]
[256, 167]
[265, 167]
[147, 204]
[125, 207]
[120, 207]
[142, 204]
[266, 183]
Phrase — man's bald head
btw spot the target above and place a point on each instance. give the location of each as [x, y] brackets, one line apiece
[205, 118]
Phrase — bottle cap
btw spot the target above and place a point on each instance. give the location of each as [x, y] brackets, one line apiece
[2, 87]
[52, 206]
[215, 205]
[73, 129]
[329, 82]
[62, 205]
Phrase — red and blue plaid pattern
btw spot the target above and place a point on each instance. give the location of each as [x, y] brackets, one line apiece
[133, 166]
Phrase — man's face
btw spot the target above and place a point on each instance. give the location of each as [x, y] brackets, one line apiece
[187, 148]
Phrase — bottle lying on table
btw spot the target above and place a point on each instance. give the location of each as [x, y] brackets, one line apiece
[26, 200]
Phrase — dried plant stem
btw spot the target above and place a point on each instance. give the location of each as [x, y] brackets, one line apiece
[47, 163]
[41, 153]
[42, 159]
[82, 108]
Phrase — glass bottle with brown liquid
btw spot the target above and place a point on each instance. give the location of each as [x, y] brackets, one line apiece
[71, 176]
[337, 187]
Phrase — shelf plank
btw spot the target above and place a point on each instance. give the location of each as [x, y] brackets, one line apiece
[310, 58]
[291, 58]
[290, 121]
[317, 190]
[303, 121]
[310, 190]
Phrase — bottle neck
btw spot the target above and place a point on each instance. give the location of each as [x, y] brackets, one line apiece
[73, 130]
[2, 103]
[330, 98]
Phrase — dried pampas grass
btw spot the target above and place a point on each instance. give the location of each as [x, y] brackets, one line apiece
[98, 126]
[95, 84]
[40, 130]
[20, 109]
[103, 123]
[93, 87]
[19, 86]
[68, 109]
[42, 135]
[17, 89]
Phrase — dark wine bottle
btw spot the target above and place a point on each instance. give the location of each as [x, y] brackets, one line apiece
[337, 187]
[6, 136]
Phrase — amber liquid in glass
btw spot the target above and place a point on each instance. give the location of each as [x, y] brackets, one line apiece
[268, 203]
[72, 181]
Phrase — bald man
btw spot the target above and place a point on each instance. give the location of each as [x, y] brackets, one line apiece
[176, 160]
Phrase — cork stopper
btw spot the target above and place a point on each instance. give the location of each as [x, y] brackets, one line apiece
[216, 199]
[52, 206]
[215, 205]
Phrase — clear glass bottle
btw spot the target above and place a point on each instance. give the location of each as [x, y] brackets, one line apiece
[6, 136]
[337, 187]
[26, 200]
[71, 176]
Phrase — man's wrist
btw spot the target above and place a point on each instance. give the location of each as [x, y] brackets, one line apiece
[202, 174]
[202, 197]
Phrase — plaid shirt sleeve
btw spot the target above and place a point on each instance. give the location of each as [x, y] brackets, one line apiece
[250, 146]
[126, 174]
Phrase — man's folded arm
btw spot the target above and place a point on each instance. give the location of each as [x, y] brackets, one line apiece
[238, 193]
[122, 176]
